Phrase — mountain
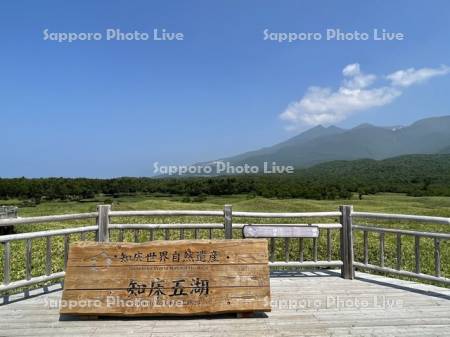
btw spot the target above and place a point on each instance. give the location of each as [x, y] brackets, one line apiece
[445, 150]
[322, 144]
[307, 136]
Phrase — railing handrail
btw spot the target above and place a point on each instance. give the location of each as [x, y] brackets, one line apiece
[220, 213]
[92, 215]
[286, 215]
[389, 216]
[44, 234]
[166, 213]
[371, 228]
[47, 218]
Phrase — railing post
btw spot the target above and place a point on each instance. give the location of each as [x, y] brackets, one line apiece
[103, 222]
[228, 221]
[6, 262]
[347, 270]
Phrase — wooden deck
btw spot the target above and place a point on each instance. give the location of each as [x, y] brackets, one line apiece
[304, 304]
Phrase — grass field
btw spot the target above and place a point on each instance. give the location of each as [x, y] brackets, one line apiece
[387, 203]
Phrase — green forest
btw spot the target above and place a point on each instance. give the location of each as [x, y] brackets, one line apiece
[415, 175]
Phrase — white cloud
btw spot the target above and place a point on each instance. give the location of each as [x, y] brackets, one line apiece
[352, 70]
[405, 78]
[326, 106]
[355, 78]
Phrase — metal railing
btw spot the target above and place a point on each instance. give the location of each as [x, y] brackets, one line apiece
[281, 257]
[399, 235]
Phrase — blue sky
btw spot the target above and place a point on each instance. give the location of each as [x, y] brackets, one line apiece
[113, 108]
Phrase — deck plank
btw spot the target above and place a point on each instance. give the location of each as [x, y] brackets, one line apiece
[304, 304]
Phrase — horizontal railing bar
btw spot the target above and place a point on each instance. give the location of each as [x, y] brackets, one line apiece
[214, 225]
[165, 213]
[319, 225]
[56, 232]
[402, 231]
[306, 264]
[286, 215]
[43, 234]
[402, 273]
[220, 213]
[47, 218]
[165, 226]
[34, 280]
[386, 216]
[64, 217]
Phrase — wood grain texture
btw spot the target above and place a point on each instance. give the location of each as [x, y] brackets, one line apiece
[183, 277]
[89, 253]
[118, 277]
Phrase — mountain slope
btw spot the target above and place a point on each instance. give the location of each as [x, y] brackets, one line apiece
[309, 135]
[445, 150]
[320, 144]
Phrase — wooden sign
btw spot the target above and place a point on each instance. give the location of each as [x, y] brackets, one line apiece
[261, 231]
[167, 278]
